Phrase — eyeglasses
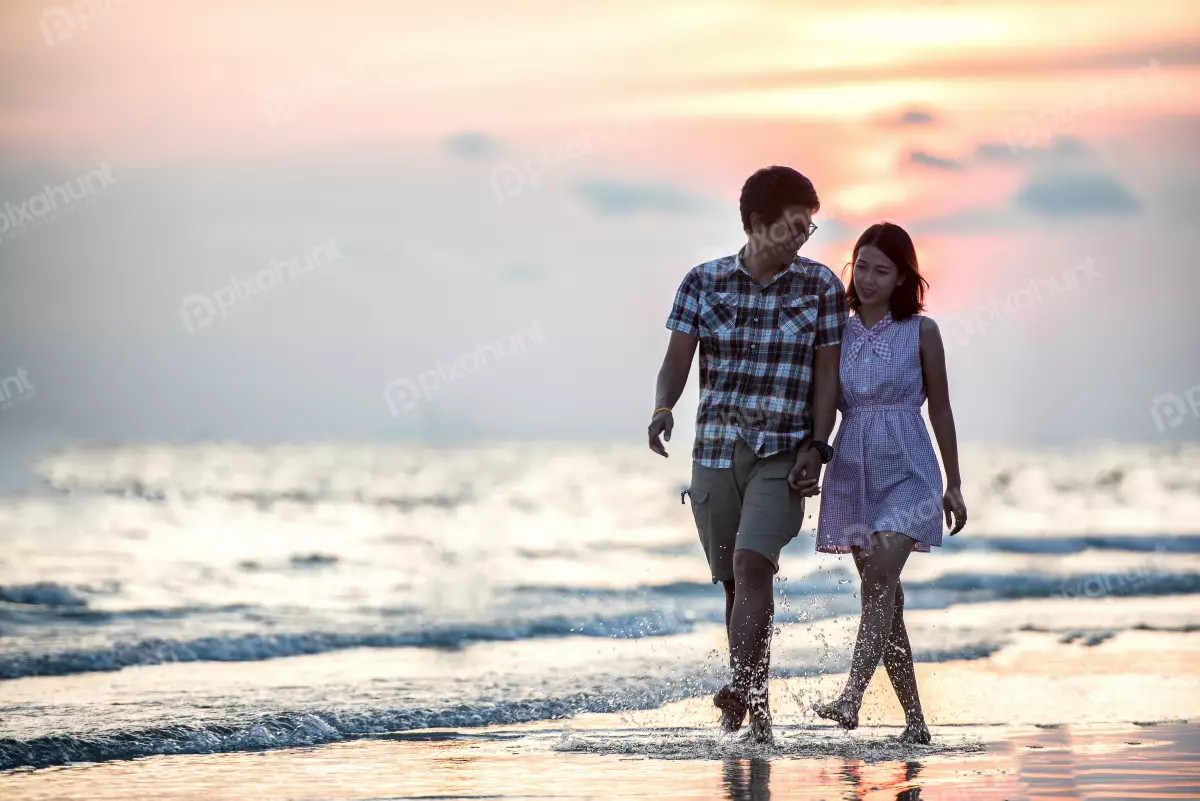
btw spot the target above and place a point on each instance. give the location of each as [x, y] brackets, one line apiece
[812, 228]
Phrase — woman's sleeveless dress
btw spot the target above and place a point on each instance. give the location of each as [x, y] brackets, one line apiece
[884, 475]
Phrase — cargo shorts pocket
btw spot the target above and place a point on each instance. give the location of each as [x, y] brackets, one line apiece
[716, 516]
[701, 508]
[777, 508]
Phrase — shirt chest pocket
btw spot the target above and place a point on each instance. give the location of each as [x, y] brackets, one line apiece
[798, 318]
[718, 314]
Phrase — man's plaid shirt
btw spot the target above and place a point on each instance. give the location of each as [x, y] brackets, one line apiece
[756, 351]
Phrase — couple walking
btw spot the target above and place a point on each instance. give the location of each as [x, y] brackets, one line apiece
[780, 354]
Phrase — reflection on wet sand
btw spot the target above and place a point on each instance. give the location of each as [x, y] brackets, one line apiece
[1116, 761]
[748, 779]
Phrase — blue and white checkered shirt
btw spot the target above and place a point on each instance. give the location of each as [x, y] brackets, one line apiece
[756, 351]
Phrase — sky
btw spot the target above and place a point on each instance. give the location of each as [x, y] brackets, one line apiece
[463, 221]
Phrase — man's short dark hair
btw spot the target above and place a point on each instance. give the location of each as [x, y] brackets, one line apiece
[771, 190]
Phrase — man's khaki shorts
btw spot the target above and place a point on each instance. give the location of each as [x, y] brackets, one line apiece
[748, 506]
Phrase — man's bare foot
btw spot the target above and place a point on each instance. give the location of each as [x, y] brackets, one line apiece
[760, 722]
[843, 713]
[916, 733]
[733, 708]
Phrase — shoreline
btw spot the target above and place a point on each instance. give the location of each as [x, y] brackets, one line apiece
[1039, 713]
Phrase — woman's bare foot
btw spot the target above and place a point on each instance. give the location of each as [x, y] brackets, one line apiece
[733, 708]
[916, 732]
[843, 713]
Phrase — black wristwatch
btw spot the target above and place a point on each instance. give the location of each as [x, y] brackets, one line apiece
[822, 448]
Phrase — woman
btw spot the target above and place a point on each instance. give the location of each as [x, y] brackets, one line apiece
[882, 496]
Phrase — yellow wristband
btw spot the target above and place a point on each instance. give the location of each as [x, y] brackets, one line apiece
[661, 409]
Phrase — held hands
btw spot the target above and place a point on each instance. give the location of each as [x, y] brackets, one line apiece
[661, 424]
[953, 505]
[805, 476]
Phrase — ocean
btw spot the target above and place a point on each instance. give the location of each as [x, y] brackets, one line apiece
[164, 599]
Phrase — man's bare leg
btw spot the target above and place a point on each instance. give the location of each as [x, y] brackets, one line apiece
[880, 573]
[733, 709]
[750, 637]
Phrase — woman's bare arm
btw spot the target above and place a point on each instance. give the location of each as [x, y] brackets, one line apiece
[941, 416]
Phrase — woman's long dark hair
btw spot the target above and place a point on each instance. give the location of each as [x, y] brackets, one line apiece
[908, 298]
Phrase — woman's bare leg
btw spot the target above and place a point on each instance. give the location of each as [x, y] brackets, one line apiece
[880, 572]
[898, 661]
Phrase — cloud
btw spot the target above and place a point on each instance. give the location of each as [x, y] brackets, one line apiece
[472, 144]
[521, 272]
[835, 230]
[1061, 147]
[938, 162]
[916, 117]
[615, 198]
[975, 220]
[1067, 195]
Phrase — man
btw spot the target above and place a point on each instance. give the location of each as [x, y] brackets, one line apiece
[769, 326]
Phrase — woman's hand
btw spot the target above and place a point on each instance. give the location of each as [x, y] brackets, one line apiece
[954, 506]
[805, 475]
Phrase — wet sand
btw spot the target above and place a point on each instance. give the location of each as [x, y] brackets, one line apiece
[1039, 719]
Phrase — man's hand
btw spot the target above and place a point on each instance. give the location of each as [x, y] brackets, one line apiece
[805, 476]
[662, 423]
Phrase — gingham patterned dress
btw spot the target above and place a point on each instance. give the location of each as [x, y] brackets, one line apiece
[884, 475]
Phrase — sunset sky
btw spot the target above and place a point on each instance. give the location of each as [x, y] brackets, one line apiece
[482, 166]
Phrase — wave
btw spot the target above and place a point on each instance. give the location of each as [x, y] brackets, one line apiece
[292, 729]
[969, 587]
[1060, 545]
[313, 727]
[44, 593]
[256, 647]
[43, 615]
[652, 611]
[263, 499]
